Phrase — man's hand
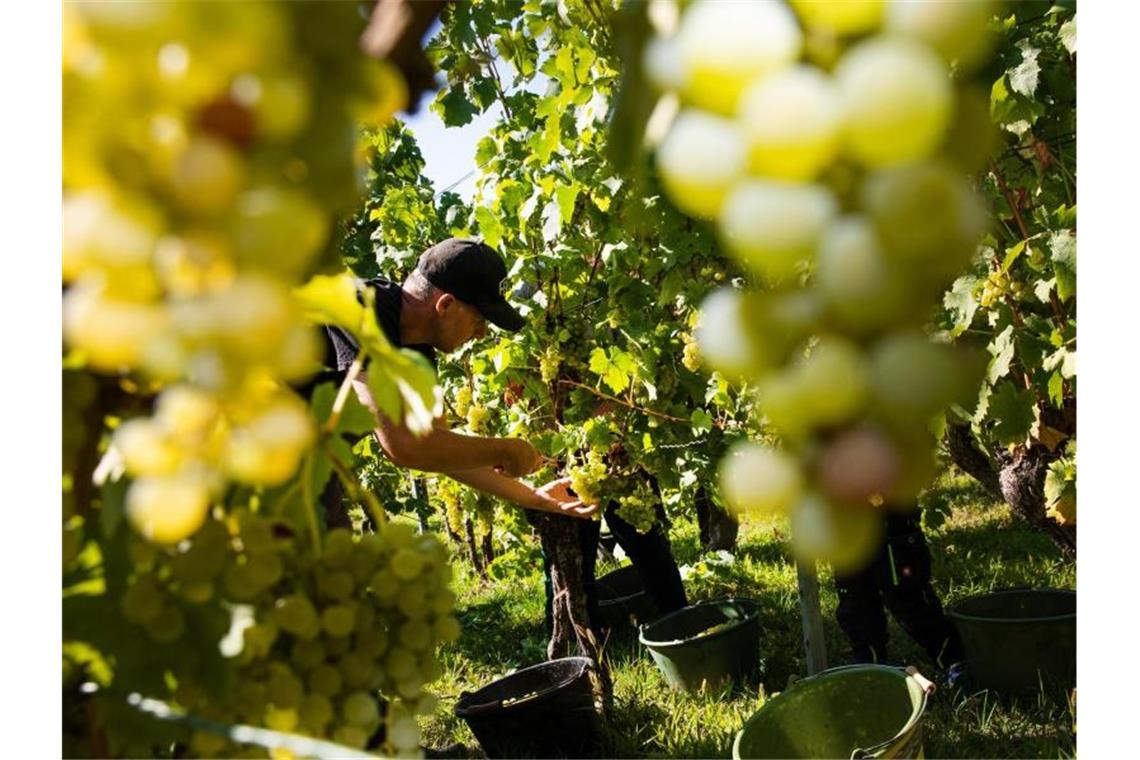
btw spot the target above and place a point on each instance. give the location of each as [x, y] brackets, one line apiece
[555, 497]
[518, 458]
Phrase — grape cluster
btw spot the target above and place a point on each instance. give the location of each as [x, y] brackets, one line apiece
[997, 286]
[549, 363]
[691, 354]
[463, 400]
[477, 417]
[830, 144]
[203, 165]
[334, 646]
[639, 509]
[588, 480]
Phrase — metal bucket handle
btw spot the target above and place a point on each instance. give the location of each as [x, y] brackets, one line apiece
[927, 686]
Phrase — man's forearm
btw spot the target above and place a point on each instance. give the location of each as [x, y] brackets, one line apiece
[512, 490]
[445, 451]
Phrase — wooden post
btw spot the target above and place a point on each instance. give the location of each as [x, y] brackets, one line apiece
[812, 620]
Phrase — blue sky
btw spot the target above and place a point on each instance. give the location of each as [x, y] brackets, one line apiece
[449, 152]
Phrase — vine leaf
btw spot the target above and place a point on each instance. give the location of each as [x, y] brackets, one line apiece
[1064, 247]
[1068, 34]
[1023, 78]
[1014, 412]
[1003, 349]
[962, 304]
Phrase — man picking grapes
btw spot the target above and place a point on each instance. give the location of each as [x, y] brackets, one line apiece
[443, 304]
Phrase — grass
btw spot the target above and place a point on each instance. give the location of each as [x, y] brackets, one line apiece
[978, 548]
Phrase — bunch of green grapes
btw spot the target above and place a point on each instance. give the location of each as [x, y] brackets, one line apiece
[691, 355]
[205, 157]
[477, 416]
[463, 400]
[449, 493]
[829, 143]
[639, 509]
[549, 363]
[997, 286]
[336, 645]
[589, 479]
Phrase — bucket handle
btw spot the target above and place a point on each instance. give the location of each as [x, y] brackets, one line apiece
[927, 687]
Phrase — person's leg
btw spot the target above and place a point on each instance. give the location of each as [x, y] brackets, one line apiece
[860, 613]
[652, 557]
[909, 595]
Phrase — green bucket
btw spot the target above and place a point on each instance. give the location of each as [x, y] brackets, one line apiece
[1018, 640]
[706, 645]
[854, 711]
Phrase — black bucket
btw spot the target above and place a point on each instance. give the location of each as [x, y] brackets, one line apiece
[1019, 640]
[623, 600]
[546, 710]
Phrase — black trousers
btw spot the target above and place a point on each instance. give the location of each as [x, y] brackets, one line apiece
[898, 579]
[651, 555]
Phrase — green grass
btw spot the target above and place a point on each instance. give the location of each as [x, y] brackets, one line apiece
[979, 548]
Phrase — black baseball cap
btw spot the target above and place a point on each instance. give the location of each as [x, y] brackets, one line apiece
[471, 271]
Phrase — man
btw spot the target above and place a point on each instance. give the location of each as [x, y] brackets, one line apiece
[445, 303]
[898, 578]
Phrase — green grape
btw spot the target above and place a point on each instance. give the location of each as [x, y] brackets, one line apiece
[362, 566]
[400, 663]
[373, 642]
[256, 534]
[351, 736]
[335, 585]
[326, 680]
[700, 160]
[338, 548]
[240, 582]
[167, 626]
[260, 637]
[415, 635]
[360, 709]
[447, 629]
[410, 688]
[315, 712]
[412, 602]
[793, 121]
[840, 18]
[406, 564]
[385, 586]
[142, 601]
[691, 357]
[365, 618]
[264, 569]
[296, 615]
[358, 669]
[404, 734]
[725, 46]
[773, 227]
[847, 539]
[898, 100]
[206, 744]
[250, 700]
[283, 690]
[912, 378]
[399, 535]
[755, 478]
[859, 466]
[339, 620]
[279, 718]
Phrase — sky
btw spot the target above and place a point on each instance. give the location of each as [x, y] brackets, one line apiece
[449, 152]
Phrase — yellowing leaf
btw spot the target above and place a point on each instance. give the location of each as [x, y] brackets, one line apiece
[331, 299]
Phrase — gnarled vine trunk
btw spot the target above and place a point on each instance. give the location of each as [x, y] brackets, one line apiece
[1018, 477]
[571, 633]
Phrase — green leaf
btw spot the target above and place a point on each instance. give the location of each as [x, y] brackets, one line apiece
[1042, 289]
[1056, 389]
[1014, 412]
[1064, 247]
[960, 301]
[701, 421]
[1002, 349]
[566, 195]
[453, 107]
[489, 226]
[1011, 255]
[1068, 34]
[599, 362]
[331, 299]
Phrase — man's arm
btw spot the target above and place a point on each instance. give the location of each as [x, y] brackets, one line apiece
[444, 451]
[552, 497]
